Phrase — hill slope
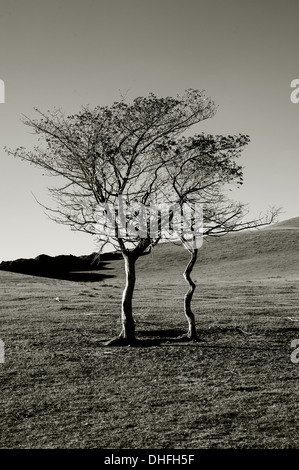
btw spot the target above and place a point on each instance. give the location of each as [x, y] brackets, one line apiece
[257, 254]
[236, 388]
[268, 253]
[289, 224]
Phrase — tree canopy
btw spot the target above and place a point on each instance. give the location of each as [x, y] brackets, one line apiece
[137, 153]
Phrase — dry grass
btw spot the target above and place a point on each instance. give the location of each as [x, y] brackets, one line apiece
[237, 388]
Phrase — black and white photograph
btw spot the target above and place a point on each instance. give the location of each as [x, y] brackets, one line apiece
[149, 242]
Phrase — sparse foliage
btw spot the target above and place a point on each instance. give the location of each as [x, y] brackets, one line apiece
[202, 170]
[106, 152]
[138, 152]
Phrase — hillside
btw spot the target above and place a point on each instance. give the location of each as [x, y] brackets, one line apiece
[63, 387]
[289, 224]
[257, 254]
[267, 253]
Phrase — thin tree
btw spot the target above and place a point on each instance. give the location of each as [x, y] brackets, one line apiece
[107, 155]
[202, 170]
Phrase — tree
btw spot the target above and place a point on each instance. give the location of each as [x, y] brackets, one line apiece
[201, 171]
[107, 155]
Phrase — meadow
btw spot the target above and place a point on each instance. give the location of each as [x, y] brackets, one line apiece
[62, 387]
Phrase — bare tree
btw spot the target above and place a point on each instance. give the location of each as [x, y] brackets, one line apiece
[106, 154]
[202, 170]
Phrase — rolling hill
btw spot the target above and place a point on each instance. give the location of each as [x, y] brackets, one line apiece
[254, 254]
[268, 253]
[62, 387]
[289, 224]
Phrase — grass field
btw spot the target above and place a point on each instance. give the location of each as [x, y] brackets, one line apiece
[61, 387]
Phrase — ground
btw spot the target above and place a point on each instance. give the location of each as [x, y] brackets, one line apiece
[61, 387]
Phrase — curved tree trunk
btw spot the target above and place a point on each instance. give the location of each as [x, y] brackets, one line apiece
[127, 320]
[188, 296]
[127, 334]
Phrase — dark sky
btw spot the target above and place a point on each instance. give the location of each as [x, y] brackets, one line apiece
[69, 53]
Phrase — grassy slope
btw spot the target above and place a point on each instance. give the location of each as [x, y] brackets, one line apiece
[237, 388]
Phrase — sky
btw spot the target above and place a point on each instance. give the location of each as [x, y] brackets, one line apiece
[70, 53]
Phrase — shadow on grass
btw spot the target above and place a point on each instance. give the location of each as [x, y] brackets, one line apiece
[179, 337]
[155, 338]
[169, 333]
[73, 276]
[80, 276]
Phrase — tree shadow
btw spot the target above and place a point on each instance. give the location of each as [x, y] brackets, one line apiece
[168, 333]
[147, 343]
[150, 338]
[170, 336]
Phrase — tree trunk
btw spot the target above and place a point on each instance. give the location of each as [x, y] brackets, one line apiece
[127, 334]
[127, 321]
[188, 296]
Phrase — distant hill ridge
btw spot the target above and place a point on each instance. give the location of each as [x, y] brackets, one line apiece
[44, 265]
[289, 224]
